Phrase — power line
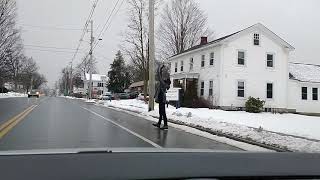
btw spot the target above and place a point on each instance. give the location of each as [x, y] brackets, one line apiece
[48, 50]
[84, 28]
[108, 23]
[104, 18]
[49, 47]
[51, 27]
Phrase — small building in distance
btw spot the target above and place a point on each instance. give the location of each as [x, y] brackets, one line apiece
[137, 86]
[99, 84]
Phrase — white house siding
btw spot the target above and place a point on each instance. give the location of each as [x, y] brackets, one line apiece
[96, 78]
[207, 73]
[254, 73]
[295, 97]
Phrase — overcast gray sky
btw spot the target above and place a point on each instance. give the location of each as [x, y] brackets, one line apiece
[296, 21]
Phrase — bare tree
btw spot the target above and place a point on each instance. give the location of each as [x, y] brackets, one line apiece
[136, 38]
[14, 62]
[14, 65]
[8, 35]
[181, 26]
[27, 70]
[84, 67]
[38, 80]
[64, 80]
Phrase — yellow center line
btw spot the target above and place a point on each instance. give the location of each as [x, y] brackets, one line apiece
[2, 126]
[8, 125]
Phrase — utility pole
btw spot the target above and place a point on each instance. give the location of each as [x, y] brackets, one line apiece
[31, 82]
[90, 60]
[71, 86]
[65, 84]
[151, 55]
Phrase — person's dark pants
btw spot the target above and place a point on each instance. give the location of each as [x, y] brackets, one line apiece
[162, 113]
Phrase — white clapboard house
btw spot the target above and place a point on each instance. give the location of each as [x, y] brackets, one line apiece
[251, 62]
[99, 84]
[304, 85]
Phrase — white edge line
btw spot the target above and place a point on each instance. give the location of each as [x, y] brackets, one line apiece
[224, 140]
[128, 130]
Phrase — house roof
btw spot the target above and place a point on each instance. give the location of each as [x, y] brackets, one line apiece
[304, 72]
[136, 84]
[97, 77]
[221, 39]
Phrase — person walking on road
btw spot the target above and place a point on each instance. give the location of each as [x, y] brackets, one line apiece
[160, 97]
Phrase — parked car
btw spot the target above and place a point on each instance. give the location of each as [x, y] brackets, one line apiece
[133, 95]
[106, 96]
[3, 90]
[77, 95]
[34, 93]
[124, 96]
[141, 96]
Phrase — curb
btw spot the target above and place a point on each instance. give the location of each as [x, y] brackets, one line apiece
[230, 136]
[217, 133]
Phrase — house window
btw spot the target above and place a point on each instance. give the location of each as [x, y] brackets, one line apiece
[211, 59]
[304, 93]
[191, 64]
[240, 88]
[181, 66]
[210, 88]
[314, 93]
[269, 60]
[175, 67]
[202, 88]
[241, 56]
[100, 84]
[203, 58]
[269, 90]
[256, 39]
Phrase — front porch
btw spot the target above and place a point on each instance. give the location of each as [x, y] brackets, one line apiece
[188, 82]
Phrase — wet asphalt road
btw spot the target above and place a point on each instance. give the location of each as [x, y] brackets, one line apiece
[64, 123]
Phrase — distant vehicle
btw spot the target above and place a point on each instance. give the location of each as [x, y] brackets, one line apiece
[141, 96]
[106, 96]
[133, 95]
[124, 96]
[34, 93]
[77, 95]
[3, 90]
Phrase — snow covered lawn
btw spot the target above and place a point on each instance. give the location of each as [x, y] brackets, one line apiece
[243, 124]
[12, 94]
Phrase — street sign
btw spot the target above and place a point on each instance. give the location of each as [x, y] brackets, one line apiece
[173, 94]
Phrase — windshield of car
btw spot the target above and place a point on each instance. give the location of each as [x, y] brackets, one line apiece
[221, 75]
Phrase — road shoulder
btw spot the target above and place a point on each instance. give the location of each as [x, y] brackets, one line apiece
[238, 144]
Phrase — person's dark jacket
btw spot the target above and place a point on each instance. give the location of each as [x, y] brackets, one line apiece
[161, 89]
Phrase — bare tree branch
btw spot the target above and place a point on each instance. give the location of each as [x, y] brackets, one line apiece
[182, 25]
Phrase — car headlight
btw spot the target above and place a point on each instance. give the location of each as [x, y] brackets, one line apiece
[37, 93]
[28, 92]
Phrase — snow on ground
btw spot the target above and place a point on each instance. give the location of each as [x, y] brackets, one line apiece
[242, 124]
[12, 94]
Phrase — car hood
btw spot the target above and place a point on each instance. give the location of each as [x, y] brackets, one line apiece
[106, 150]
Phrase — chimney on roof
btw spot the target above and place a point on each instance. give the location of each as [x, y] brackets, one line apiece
[204, 40]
